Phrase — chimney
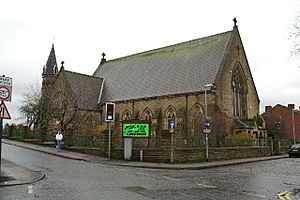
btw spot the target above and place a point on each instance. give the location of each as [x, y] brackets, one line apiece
[268, 109]
[291, 106]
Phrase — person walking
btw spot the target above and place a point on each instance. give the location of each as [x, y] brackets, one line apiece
[59, 136]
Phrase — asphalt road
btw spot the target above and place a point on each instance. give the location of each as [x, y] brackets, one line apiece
[71, 179]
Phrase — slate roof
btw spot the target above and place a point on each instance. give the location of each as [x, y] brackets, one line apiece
[85, 89]
[180, 68]
[51, 65]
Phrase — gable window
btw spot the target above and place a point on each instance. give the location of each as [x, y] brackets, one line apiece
[239, 92]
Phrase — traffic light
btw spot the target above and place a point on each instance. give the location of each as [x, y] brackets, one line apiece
[110, 112]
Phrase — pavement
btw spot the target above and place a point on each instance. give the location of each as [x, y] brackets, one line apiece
[13, 174]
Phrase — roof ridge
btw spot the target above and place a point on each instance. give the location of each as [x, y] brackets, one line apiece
[91, 76]
[180, 43]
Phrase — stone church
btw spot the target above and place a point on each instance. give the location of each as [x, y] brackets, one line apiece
[158, 85]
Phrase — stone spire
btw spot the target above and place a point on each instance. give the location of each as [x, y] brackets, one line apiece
[51, 67]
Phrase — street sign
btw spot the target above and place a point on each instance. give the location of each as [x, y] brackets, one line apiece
[206, 130]
[4, 114]
[5, 88]
[4, 93]
[207, 124]
[171, 123]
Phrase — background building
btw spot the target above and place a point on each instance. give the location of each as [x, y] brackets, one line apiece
[283, 120]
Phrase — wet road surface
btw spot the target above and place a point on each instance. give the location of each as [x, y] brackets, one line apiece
[72, 179]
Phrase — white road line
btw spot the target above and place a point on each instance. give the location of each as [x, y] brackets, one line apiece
[254, 195]
[207, 186]
[121, 169]
[30, 189]
[171, 179]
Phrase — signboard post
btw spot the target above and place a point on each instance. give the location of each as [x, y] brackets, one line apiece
[5, 95]
[171, 125]
[206, 131]
[134, 129]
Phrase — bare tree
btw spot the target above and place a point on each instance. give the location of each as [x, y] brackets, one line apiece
[63, 111]
[30, 108]
[274, 124]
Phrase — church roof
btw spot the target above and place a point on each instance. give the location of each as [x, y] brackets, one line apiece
[85, 89]
[51, 65]
[181, 68]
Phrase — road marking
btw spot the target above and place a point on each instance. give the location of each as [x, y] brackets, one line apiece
[121, 169]
[29, 189]
[255, 195]
[207, 186]
[171, 179]
[284, 196]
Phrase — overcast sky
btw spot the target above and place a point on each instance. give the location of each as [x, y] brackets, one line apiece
[82, 29]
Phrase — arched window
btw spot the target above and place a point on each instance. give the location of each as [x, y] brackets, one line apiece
[170, 115]
[197, 115]
[90, 125]
[147, 114]
[126, 115]
[239, 92]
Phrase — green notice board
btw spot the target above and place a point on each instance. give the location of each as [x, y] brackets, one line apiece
[136, 129]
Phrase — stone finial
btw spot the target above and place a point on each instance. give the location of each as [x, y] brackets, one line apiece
[234, 21]
[62, 64]
[103, 55]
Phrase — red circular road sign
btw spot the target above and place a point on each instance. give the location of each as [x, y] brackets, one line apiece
[4, 93]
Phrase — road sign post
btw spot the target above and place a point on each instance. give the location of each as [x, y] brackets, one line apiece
[171, 126]
[5, 95]
[4, 114]
[206, 131]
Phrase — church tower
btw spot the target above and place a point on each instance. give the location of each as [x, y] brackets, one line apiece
[50, 72]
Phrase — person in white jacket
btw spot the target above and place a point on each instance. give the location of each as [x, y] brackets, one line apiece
[59, 136]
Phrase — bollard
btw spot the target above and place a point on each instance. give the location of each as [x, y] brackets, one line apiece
[141, 155]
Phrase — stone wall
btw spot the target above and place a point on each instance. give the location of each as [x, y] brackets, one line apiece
[189, 155]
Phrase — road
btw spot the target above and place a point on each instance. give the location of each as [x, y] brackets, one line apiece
[72, 179]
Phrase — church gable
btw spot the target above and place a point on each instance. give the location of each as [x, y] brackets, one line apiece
[237, 95]
[85, 89]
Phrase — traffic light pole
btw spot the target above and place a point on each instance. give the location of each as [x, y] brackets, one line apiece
[109, 139]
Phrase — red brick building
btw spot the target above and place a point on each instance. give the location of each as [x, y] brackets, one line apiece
[289, 117]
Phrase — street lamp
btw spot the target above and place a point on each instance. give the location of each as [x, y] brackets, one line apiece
[206, 133]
